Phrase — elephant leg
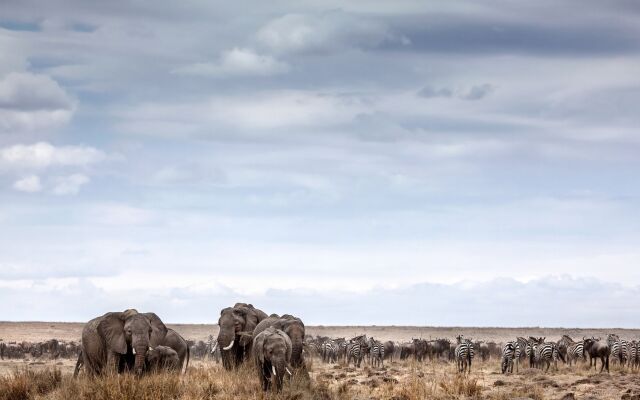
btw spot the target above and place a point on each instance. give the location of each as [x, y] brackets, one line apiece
[113, 362]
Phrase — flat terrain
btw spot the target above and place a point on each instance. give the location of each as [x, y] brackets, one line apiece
[40, 331]
[396, 380]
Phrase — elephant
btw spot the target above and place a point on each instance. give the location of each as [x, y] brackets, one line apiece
[162, 358]
[241, 318]
[293, 327]
[119, 341]
[272, 356]
[179, 344]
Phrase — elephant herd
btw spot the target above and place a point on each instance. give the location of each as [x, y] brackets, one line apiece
[130, 341]
[274, 343]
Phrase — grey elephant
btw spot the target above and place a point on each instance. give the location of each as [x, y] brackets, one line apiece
[272, 356]
[235, 347]
[293, 327]
[119, 341]
[180, 345]
[162, 358]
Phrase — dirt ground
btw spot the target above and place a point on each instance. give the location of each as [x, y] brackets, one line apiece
[436, 376]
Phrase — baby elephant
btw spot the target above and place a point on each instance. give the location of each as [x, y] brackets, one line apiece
[162, 358]
[272, 355]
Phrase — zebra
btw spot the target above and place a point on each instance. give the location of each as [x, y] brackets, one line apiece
[464, 354]
[508, 355]
[545, 354]
[634, 354]
[575, 352]
[376, 352]
[524, 349]
[330, 351]
[356, 350]
[563, 345]
[619, 348]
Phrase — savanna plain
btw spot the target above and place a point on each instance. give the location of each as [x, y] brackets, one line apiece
[47, 377]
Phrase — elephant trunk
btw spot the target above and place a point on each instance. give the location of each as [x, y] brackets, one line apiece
[139, 360]
[280, 369]
[296, 353]
[226, 343]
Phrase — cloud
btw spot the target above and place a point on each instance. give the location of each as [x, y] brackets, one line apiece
[69, 185]
[29, 184]
[499, 302]
[237, 62]
[44, 155]
[476, 92]
[306, 33]
[30, 102]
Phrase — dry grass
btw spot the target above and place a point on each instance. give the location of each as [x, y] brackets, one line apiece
[397, 381]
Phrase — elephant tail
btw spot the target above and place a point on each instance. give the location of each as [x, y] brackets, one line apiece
[188, 356]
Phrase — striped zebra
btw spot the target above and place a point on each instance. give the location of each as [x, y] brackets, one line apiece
[634, 355]
[508, 355]
[619, 349]
[376, 350]
[545, 354]
[342, 349]
[575, 352]
[330, 351]
[524, 350]
[356, 350]
[464, 354]
[563, 345]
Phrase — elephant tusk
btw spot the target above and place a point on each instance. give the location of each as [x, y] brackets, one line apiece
[288, 372]
[273, 369]
[134, 350]
[214, 348]
[150, 348]
[229, 346]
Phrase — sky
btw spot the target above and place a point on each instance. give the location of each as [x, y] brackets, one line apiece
[468, 163]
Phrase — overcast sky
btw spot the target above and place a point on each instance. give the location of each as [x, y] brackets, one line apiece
[448, 163]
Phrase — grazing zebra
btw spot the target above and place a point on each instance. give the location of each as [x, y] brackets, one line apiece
[355, 350]
[508, 355]
[464, 354]
[376, 350]
[524, 349]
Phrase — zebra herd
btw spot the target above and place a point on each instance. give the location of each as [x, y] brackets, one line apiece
[542, 354]
[353, 350]
[536, 352]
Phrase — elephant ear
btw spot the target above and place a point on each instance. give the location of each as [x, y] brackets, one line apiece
[111, 328]
[258, 348]
[158, 329]
[287, 340]
[250, 318]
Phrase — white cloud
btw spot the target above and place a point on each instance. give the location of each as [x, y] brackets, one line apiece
[237, 62]
[29, 184]
[320, 33]
[43, 155]
[69, 185]
[30, 102]
[267, 110]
